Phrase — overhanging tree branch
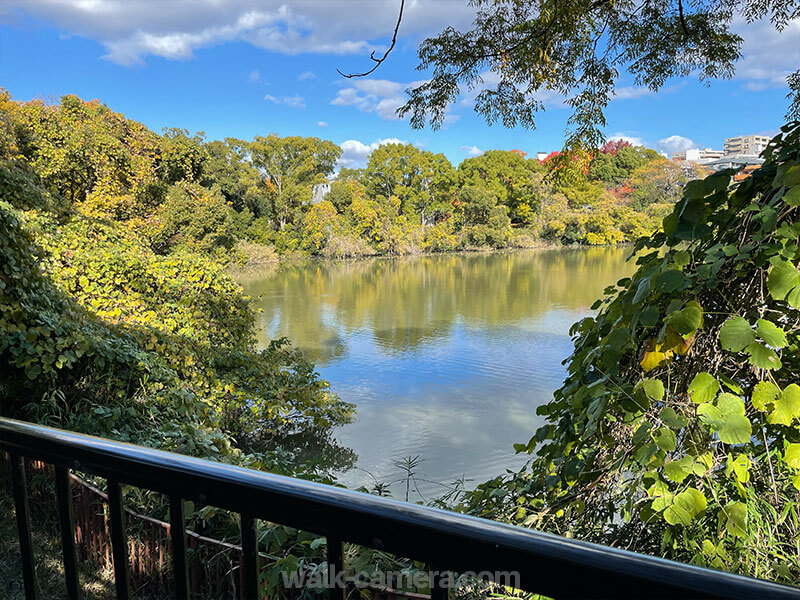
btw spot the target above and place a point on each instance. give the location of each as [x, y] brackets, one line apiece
[378, 61]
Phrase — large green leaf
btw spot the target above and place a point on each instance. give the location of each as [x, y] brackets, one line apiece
[678, 470]
[703, 388]
[669, 280]
[649, 316]
[642, 290]
[736, 429]
[792, 455]
[787, 406]
[736, 334]
[727, 418]
[784, 282]
[739, 466]
[665, 439]
[763, 357]
[672, 419]
[771, 334]
[792, 176]
[687, 320]
[685, 507]
[736, 519]
[764, 395]
[653, 388]
[792, 196]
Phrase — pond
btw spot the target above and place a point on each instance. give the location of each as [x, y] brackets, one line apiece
[446, 357]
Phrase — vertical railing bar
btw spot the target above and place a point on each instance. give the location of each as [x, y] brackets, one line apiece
[66, 515]
[249, 556]
[19, 487]
[119, 546]
[438, 592]
[177, 532]
[335, 562]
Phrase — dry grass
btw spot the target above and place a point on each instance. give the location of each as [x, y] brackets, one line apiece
[347, 246]
[250, 255]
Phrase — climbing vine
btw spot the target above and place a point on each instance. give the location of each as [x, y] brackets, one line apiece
[677, 430]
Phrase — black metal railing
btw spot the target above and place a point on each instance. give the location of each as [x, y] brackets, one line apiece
[546, 564]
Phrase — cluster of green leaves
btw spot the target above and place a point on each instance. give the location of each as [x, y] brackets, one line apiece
[677, 430]
[155, 350]
[517, 50]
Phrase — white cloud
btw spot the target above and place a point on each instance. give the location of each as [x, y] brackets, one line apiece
[629, 91]
[306, 75]
[132, 30]
[632, 140]
[254, 77]
[322, 124]
[381, 96]
[768, 55]
[675, 143]
[293, 101]
[471, 150]
[355, 153]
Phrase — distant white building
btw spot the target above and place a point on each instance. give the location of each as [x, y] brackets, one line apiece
[746, 145]
[541, 156]
[698, 155]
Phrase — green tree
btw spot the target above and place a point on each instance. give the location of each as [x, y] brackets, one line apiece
[79, 147]
[227, 166]
[482, 220]
[320, 224]
[292, 165]
[195, 217]
[660, 183]
[182, 156]
[474, 205]
[347, 174]
[342, 194]
[614, 167]
[517, 49]
[514, 179]
[605, 168]
[423, 181]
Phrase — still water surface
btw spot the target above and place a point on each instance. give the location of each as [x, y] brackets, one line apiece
[446, 356]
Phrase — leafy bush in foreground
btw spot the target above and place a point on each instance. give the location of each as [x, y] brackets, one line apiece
[677, 430]
[101, 335]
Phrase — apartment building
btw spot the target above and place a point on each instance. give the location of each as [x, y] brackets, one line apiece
[698, 155]
[748, 145]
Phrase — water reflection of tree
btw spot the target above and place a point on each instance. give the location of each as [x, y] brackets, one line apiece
[312, 450]
[407, 302]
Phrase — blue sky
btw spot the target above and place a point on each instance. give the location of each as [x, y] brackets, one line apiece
[243, 68]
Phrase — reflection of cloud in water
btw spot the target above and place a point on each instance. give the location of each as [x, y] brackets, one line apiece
[460, 404]
[452, 438]
[445, 356]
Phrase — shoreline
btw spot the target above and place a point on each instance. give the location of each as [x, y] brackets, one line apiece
[235, 269]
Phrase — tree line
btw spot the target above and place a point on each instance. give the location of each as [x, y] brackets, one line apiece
[179, 190]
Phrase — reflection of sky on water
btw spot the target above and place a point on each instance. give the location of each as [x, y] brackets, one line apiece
[445, 357]
[459, 402]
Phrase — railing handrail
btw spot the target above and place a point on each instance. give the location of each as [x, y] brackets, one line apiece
[547, 564]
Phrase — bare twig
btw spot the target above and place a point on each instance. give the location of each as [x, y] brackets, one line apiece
[378, 61]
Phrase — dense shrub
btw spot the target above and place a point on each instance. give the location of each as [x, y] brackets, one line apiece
[193, 217]
[677, 430]
[99, 334]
